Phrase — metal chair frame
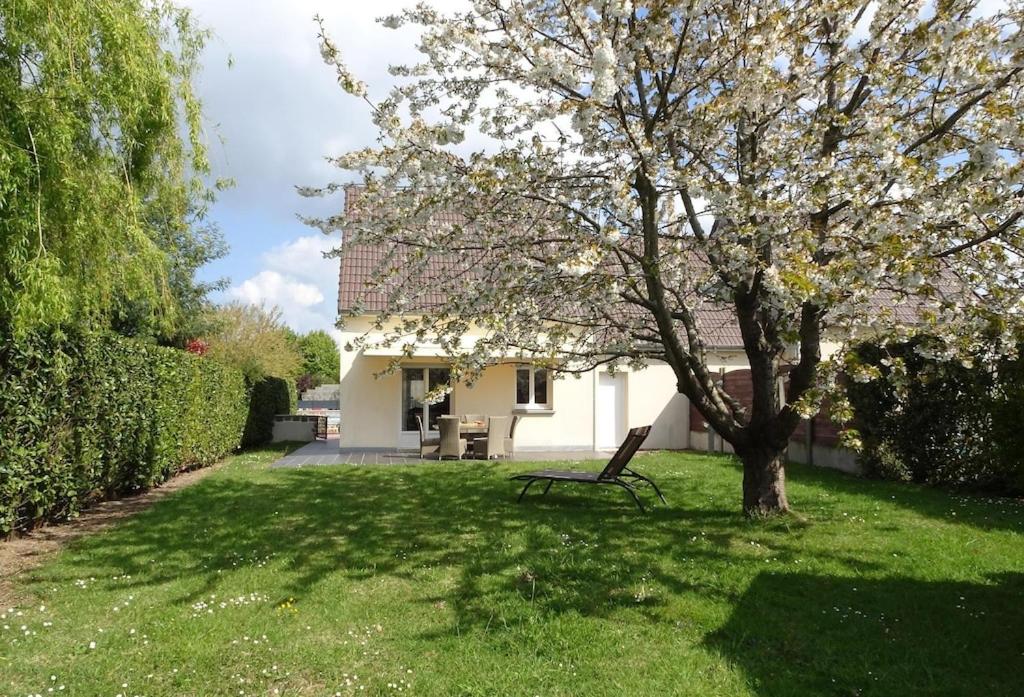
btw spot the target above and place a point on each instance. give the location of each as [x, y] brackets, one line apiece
[615, 473]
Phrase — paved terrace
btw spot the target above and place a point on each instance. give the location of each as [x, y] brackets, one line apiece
[327, 452]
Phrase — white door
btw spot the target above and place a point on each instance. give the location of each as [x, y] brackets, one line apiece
[611, 410]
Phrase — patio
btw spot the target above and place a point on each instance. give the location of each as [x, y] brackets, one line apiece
[327, 452]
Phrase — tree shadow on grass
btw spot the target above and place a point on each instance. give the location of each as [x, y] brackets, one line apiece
[979, 510]
[985, 512]
[581, 550]
[797, 634]
[962, 506]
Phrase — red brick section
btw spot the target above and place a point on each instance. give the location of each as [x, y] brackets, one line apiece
[738, 384]
[826, 431]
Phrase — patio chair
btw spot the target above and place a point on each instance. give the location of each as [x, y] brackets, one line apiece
[451, 445]
[428, 446]
[510, 442]
[615, 472]
[493, 444]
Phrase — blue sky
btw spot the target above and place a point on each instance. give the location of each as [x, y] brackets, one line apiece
[270, 120]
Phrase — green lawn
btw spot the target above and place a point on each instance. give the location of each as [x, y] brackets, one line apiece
[430, 580]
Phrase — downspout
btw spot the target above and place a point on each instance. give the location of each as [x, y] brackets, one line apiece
[686, 424]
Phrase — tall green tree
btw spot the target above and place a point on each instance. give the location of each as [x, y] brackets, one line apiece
[320, 359]
[101, 164]
[253, 339]
[188, 244]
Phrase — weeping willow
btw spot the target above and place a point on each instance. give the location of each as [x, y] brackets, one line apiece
[100, 153]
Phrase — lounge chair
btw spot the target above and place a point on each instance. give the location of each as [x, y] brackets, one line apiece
[493, 444]
[451, 444]
[428, 446]
[615, 472]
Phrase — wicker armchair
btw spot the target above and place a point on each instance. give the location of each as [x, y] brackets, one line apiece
[510, 442]
[493, 444]
[451, 444]
[428, 446]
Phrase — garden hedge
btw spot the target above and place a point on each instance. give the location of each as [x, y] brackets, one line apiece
[270, 396]
[945, 423]
[86, 416]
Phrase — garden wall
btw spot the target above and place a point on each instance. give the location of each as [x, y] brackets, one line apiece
[814, 442]
[87, 416]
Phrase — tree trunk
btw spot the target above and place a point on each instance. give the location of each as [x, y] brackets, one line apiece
[764, 483]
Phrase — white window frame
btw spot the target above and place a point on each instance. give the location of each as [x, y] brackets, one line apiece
[532, 405]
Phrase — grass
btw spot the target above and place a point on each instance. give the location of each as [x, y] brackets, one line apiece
[430, 580]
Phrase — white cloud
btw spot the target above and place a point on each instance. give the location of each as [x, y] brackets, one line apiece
[273, 288]
[272, 119]
[298, 280]
[279, 108]
[303, 306]
[304, 259]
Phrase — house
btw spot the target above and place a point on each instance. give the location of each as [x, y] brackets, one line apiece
[588, 412]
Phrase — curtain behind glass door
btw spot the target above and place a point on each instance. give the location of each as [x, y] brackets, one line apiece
[413, 389]
[439, 377]
[415, 384]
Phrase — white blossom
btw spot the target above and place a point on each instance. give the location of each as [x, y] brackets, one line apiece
[604, 67]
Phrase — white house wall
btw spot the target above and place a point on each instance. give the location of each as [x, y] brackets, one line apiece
[652, 399]
[371, 407]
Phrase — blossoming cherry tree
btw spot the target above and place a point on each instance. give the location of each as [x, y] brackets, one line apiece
[808, 169]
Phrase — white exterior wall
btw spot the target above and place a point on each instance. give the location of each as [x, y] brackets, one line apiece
[652, 399]
[371, 407]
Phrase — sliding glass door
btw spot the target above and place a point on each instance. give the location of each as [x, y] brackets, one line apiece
[416, 382]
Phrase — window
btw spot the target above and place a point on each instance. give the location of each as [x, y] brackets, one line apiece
[416, 382]
[532, 391]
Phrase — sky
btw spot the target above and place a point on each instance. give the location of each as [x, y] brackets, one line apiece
[271, 119]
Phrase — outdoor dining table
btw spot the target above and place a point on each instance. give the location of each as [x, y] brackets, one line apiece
[470, 430]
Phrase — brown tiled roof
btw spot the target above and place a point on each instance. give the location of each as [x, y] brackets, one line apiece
[425, 286]
[719, 328]
[357, 289]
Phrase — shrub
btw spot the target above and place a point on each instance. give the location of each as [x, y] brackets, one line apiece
[269, 397]
[941, 422]
[306, 382]
[253, 339]
[1007, 419]
[86, 415]
[320, 357]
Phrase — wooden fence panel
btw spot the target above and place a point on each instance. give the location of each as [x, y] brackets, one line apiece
[739, 385]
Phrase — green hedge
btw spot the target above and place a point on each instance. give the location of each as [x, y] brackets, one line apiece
[269, 397]
[85, 416]
[944, 422]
